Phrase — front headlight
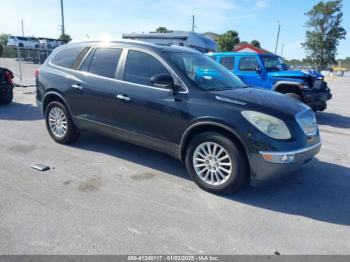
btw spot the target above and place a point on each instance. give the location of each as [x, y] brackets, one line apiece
[269, 125]
[305, 87]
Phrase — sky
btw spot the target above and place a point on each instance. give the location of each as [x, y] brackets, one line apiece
[252, 19]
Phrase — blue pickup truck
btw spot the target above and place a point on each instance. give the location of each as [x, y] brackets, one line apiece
[270, 72]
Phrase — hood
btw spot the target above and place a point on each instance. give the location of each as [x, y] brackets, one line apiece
[268, 102]
[296, 74]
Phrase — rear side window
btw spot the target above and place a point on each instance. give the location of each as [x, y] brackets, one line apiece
[140, 67]
[67, 57]
[85, 65]
[248, 63]
[80, 58]
[104, 61]
[228, 62]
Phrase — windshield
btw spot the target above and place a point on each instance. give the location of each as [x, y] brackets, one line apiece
[274, 63]
[204, 72]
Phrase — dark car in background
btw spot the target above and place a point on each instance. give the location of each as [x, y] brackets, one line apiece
[177, 101]
[6, 86]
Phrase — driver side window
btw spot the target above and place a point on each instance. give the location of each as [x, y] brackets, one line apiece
[248, 63]
[140, 67]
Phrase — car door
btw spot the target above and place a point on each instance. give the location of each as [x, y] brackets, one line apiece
[251, 72]
[228, 62]
[147, 110]
[93, 87]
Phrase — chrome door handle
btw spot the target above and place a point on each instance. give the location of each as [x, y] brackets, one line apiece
[77, 86]
[123, 97]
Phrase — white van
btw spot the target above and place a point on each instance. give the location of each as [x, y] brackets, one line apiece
[200, 42]
[49, 43]
[22, 42]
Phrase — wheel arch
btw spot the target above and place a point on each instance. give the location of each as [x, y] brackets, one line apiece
[288, 87]
[201, 127]
[53, 96]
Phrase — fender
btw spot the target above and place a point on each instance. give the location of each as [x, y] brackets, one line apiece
[56, 93]
[209, 123]
[278, 83]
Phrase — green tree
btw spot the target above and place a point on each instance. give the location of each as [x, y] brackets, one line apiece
[66, 38]
[324, 32]
[3, 39]
[162, 29]
[228, 41]
[255, 43]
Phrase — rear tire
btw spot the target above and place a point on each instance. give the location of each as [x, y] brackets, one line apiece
[59, 123]
[214, 171]
[8, 99]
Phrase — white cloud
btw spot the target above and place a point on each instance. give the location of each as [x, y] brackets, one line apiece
[260, 4]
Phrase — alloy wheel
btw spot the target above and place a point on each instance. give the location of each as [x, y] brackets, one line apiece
[58, 122]
[212, 163]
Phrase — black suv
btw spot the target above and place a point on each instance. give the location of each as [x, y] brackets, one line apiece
[180, 102]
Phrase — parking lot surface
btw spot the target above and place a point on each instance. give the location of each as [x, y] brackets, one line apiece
[104, 196]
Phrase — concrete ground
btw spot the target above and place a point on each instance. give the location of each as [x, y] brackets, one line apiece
[107, 197]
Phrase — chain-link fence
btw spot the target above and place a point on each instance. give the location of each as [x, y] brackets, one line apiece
[23, 62]
[35, 55]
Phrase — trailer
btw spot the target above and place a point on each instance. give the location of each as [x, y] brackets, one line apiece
[200, 42]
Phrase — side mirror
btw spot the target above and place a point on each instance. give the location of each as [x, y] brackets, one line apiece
[258, 69]
[163, 81]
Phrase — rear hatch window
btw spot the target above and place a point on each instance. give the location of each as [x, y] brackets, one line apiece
[67, 57]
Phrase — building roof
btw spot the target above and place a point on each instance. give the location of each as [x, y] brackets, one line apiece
[243, 46]
[223, 54]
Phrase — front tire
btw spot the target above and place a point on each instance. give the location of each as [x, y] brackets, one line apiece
[215, 163]
[59, 123]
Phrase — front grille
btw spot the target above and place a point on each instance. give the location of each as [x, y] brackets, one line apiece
[318, 84]
[307, 121]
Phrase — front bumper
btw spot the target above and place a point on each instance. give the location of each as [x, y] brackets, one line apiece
[317, 100]
[268, 167]
[40, 106]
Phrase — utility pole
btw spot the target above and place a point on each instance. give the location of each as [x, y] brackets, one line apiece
[22, 26]
[192, 23]
[282, 50]
[278, 36]
[62, 16]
